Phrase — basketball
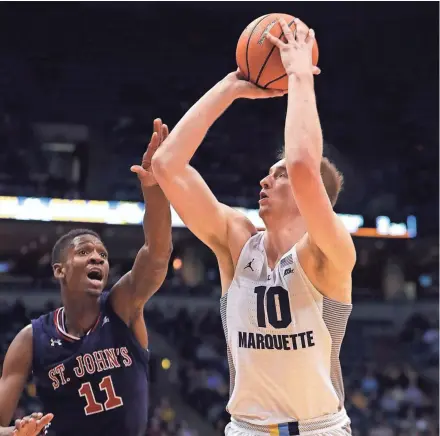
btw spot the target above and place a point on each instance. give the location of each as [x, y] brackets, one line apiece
[258, 59]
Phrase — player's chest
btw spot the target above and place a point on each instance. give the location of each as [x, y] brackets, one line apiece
[278, 300]
[70, 363]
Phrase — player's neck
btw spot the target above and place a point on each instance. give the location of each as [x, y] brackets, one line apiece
[80, 314]
[279, 240]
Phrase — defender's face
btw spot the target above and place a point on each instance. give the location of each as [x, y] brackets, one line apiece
[86, 265]
[276, 193]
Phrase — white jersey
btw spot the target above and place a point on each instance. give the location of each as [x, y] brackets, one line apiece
[283, 342]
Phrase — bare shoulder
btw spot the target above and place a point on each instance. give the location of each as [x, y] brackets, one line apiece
[25, 336]
[240, 229]
[16, 369]
[19, 355]
[331, 281]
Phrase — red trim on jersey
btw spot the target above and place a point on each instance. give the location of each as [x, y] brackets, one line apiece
[60, 325]
[59, 328]
[96, 324]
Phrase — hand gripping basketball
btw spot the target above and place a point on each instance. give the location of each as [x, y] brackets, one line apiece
[245, 89]
[296, 53]
[32, 425]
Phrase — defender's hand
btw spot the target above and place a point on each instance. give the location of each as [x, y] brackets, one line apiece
[296, 54]
[144, 171]
[32, 425]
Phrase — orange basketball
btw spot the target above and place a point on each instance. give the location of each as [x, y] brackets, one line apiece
[258, 59]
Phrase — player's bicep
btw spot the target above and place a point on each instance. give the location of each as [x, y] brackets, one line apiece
[16, 369]
[195, 204]
[324, 227]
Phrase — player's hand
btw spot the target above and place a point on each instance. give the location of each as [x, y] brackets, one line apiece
[144, 171]
[296, 53]
[242, 88]
[31, 425]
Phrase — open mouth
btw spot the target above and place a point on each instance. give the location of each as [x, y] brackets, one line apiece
[95, 275]
[263, 195]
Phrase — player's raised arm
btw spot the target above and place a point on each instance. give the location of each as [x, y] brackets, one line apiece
[16, 369]
[192, 199]
[303, 150]
[149, 270]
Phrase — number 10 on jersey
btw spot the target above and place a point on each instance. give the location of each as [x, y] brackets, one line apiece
[279, 320]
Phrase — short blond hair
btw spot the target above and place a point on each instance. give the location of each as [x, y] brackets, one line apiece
[332, 178]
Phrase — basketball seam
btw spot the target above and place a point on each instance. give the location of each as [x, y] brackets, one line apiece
[247, 45]
[270, 54]
[274, 80]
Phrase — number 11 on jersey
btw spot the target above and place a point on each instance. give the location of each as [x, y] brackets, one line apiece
[277, 321]
[93, 407]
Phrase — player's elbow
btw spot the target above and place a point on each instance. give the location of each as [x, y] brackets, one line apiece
[160, 164]
[157, 275]
[164, 165]
[162, 254]
[157, 254]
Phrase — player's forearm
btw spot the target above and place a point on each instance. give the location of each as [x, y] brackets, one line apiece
[157, 223]
[6, 431]
[303, 134]
[186, 137]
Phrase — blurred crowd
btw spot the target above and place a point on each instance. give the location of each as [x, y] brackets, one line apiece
[384, 396]
[385, 270]
[74, 110]
[389, 399]
[163, 421]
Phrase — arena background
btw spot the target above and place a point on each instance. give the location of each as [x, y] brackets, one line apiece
[80, 84]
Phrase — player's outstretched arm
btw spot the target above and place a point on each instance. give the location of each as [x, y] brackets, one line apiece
[16, 369]
[303, 150]
[150, 267]
[184, 187]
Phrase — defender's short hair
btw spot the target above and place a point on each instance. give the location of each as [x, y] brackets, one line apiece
[65, 240]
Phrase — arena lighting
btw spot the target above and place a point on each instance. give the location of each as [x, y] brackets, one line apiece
[131, 213]
[166, 364]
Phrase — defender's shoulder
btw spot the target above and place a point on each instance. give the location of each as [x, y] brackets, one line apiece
[25, 335]
[19, 354]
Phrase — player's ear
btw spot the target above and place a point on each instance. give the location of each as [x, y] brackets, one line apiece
[58, 271]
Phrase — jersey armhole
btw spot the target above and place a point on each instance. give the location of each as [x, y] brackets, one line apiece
[106, 308]
[242, 254]
[34, 361]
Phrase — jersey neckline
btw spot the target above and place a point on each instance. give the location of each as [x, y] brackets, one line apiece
[270, 270]
[60, 325]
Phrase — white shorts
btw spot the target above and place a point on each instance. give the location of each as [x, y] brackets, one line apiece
[337, 424]
[232, 430]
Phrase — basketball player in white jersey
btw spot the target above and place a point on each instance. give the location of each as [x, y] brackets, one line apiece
[286, 291]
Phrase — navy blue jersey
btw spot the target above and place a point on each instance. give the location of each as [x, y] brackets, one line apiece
[94, 385]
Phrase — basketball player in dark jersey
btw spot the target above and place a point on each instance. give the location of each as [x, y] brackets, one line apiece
[89, 358]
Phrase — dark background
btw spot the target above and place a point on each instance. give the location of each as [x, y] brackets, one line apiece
[80, 84]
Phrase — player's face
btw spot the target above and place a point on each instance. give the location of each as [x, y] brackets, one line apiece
[276, 193]
[86, 266]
